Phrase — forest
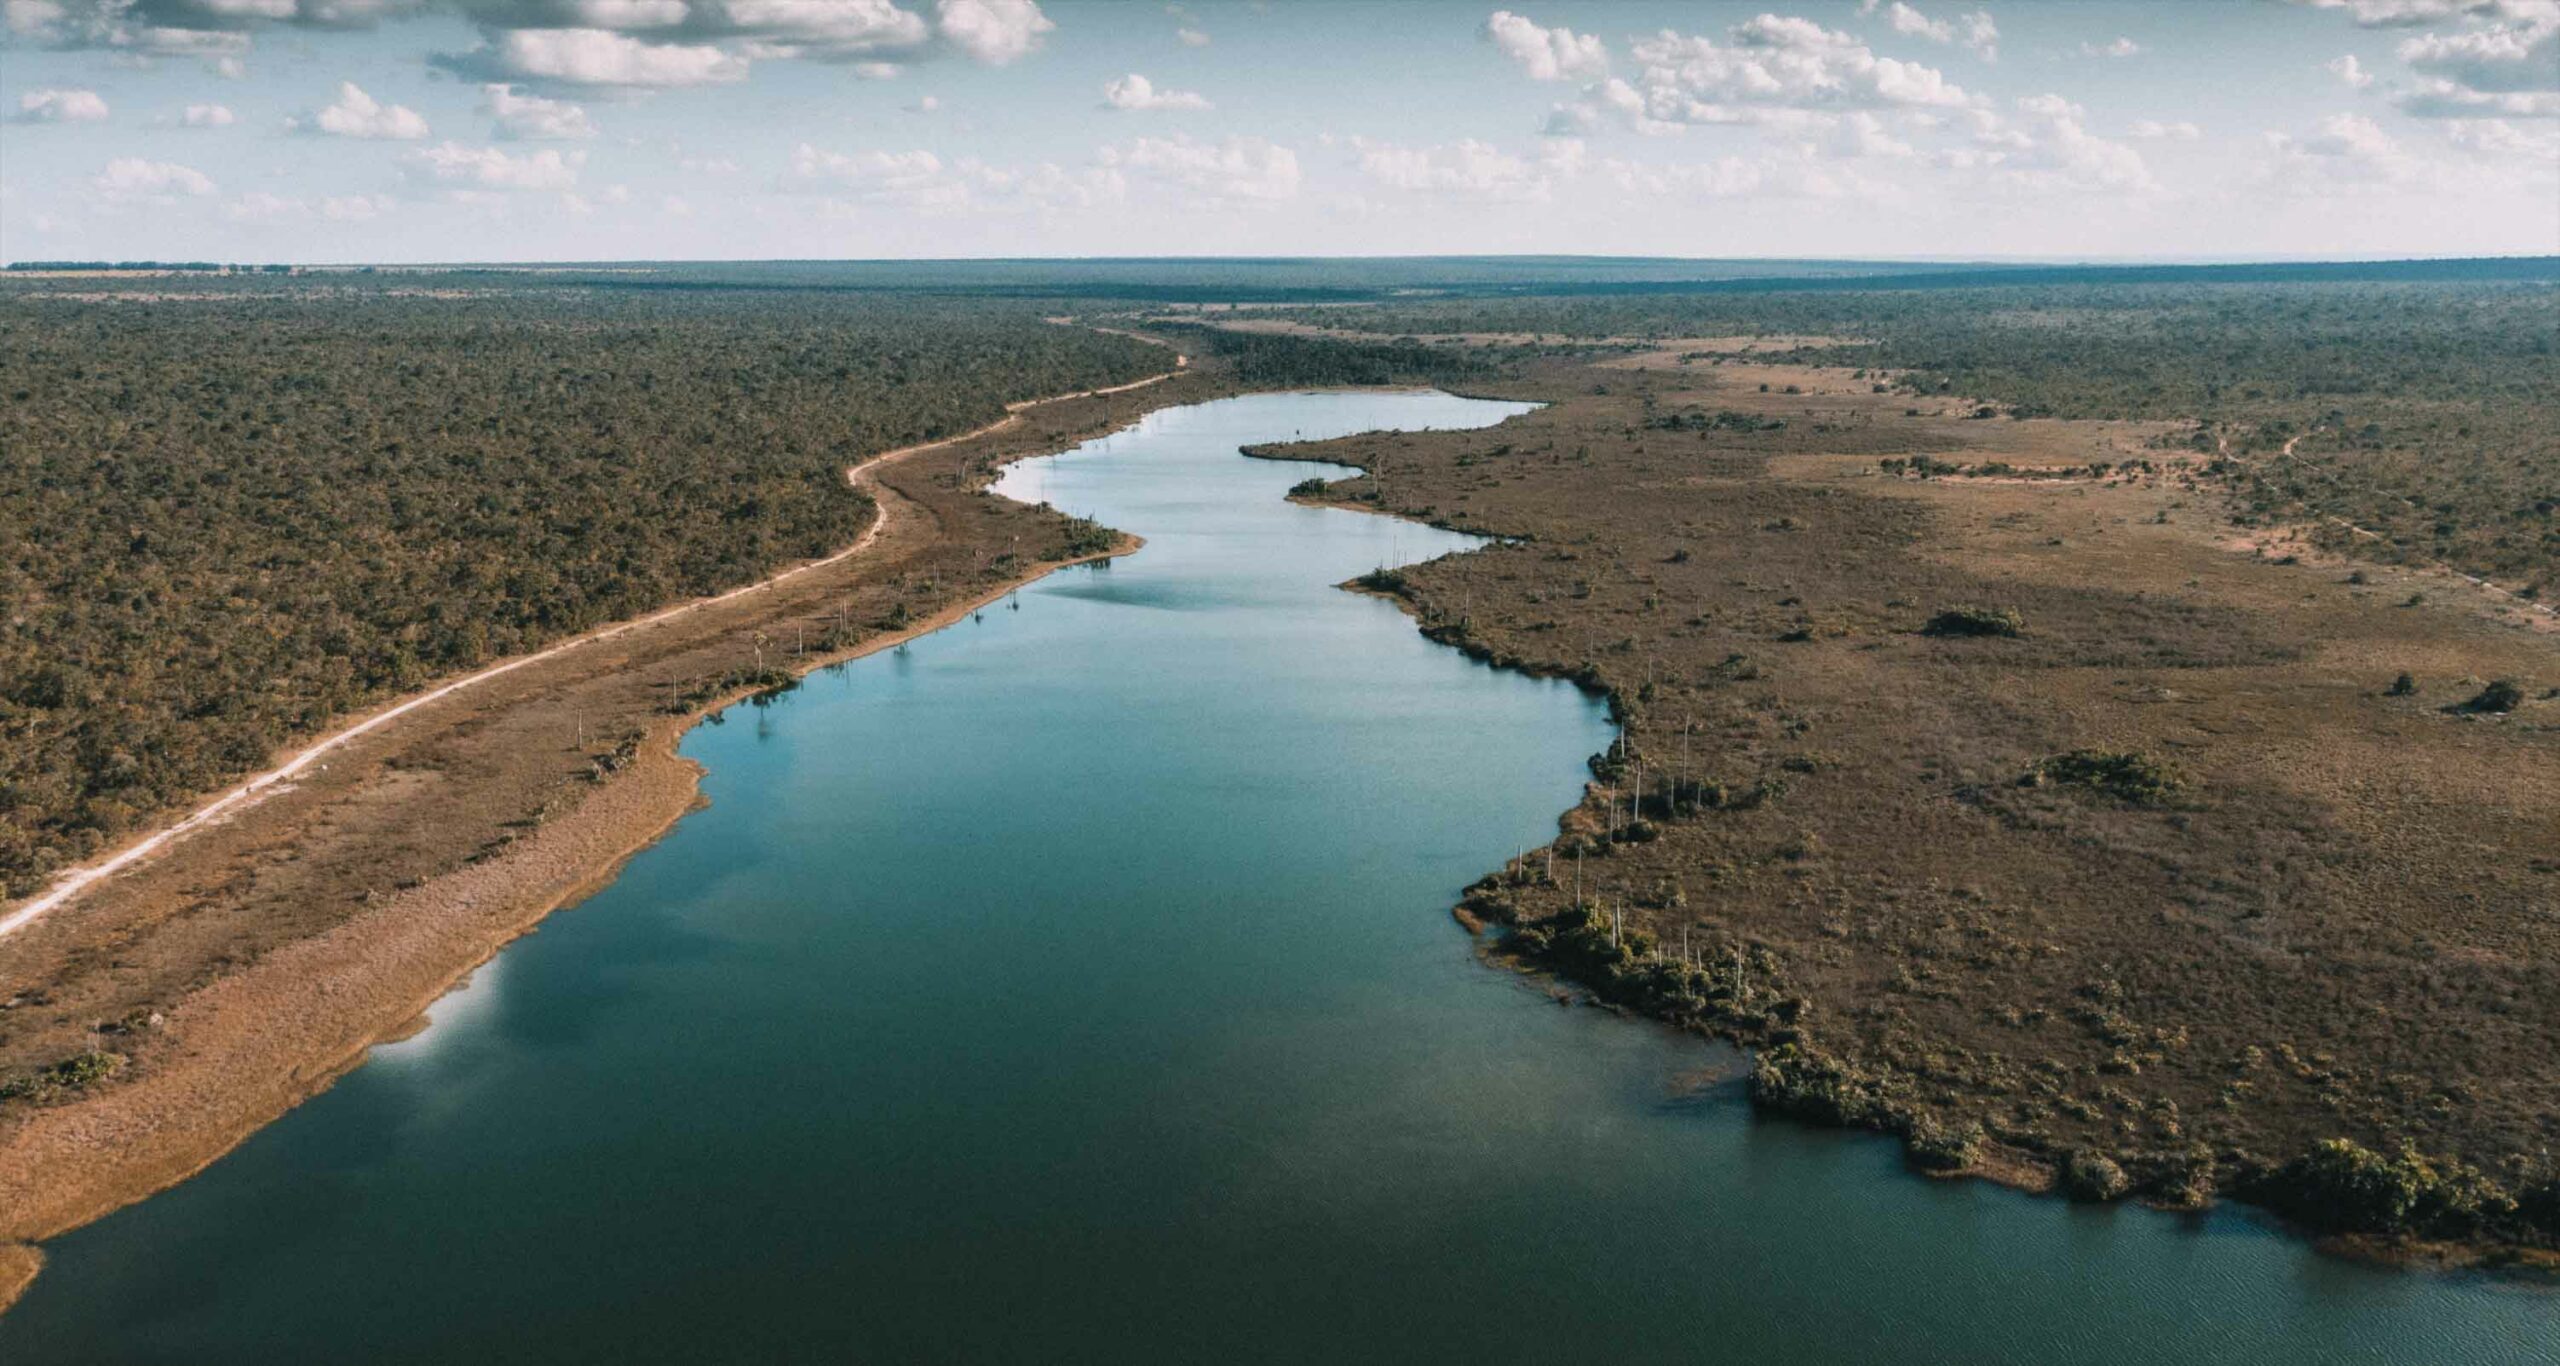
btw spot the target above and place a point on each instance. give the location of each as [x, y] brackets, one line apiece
[2422, 417]
[230, 516]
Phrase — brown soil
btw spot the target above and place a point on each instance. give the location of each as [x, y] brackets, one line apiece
[241, 969]
[2345, 921]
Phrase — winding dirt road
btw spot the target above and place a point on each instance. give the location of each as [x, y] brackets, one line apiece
[72, 882]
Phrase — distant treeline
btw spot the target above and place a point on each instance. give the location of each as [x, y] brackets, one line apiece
[209, 267]
[1265, 360]
[225, 522]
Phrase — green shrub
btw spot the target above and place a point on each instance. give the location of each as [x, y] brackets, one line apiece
[1937, 1145]
[2135, 777]
[2497, 699]
[2093, 1178]
[1307, 488]
[2343, 1187]
[1971, 621]
[70, 1074]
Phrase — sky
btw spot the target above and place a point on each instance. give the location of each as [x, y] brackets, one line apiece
[511, 130]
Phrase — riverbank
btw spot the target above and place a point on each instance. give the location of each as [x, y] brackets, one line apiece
[257, 959]
[2101, 899]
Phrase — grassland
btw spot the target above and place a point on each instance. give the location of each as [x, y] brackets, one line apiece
[2020, 814]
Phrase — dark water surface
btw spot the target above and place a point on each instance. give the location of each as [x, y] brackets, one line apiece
[1078, 986]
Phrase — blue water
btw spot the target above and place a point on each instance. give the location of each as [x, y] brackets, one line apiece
[1078, 985]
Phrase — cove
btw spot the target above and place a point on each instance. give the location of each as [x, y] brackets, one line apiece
[1078, 985]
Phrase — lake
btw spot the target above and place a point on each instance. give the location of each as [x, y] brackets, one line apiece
[1078, 984]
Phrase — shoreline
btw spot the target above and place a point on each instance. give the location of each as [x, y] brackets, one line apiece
[417, 944]
[1622, 986]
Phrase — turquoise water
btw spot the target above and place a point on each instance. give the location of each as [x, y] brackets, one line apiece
[1077, 985]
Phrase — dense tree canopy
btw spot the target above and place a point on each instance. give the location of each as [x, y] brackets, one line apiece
[228, 517]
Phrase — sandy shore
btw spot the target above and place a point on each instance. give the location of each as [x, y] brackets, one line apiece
[238, 1050]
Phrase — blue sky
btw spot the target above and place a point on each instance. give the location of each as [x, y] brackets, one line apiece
[439, 130]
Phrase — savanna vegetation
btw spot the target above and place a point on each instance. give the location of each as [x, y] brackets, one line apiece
[2022, 819]
[229, 515]
[2398, 419]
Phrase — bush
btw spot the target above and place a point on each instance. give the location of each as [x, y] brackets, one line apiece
[2136, 778]
[2093, 1178]
[1939, 1146]
[2403, 686]
[2343, 1187]
[2497, 699]
[1970, 621]
[70, 1074]
[1307, 488]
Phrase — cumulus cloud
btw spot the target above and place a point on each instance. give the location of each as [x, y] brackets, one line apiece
[2342, 152]
[2506, 67]
[491, 168]
[1469, 169]
[208, 116]
[261, 207]
[211, 29]
[2155, 131]
[1233, 170]
[1913, 23]
[995, 32]
[595, 57]
[2046, 144]
[645, 44]
[1767, 67]
[531, 118]
[356, 114]
[2419, 13]
[1136, 92]
[60, 106]
[2120, 47]
[2498, 57]
[1190, 37]
[925, 183]
[2350, 71]
[138, 178]
[1547, 54]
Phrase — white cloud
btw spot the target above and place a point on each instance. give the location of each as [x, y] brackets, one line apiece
[261, 207]
[925, 104]
[1190, 37]
[60, 106]
[2446, 100]
[490, 168]
[1982, 35]
[531, 118]
[2416, 13]
[1767, 68]
[2499, 57]
[2536, 151]
[1469, 169]
[2350, 71]
[596, 57]
[995, 32]
[2120, 47]
[1547, 54]
[359, 115]
[208, 116]
[925, 183]
[2342, 152]
[2047, 145]
[1236, 169]
[1913, 23]
[2156, 131]
[1136, 92]
[134, 177]
[210, 29]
